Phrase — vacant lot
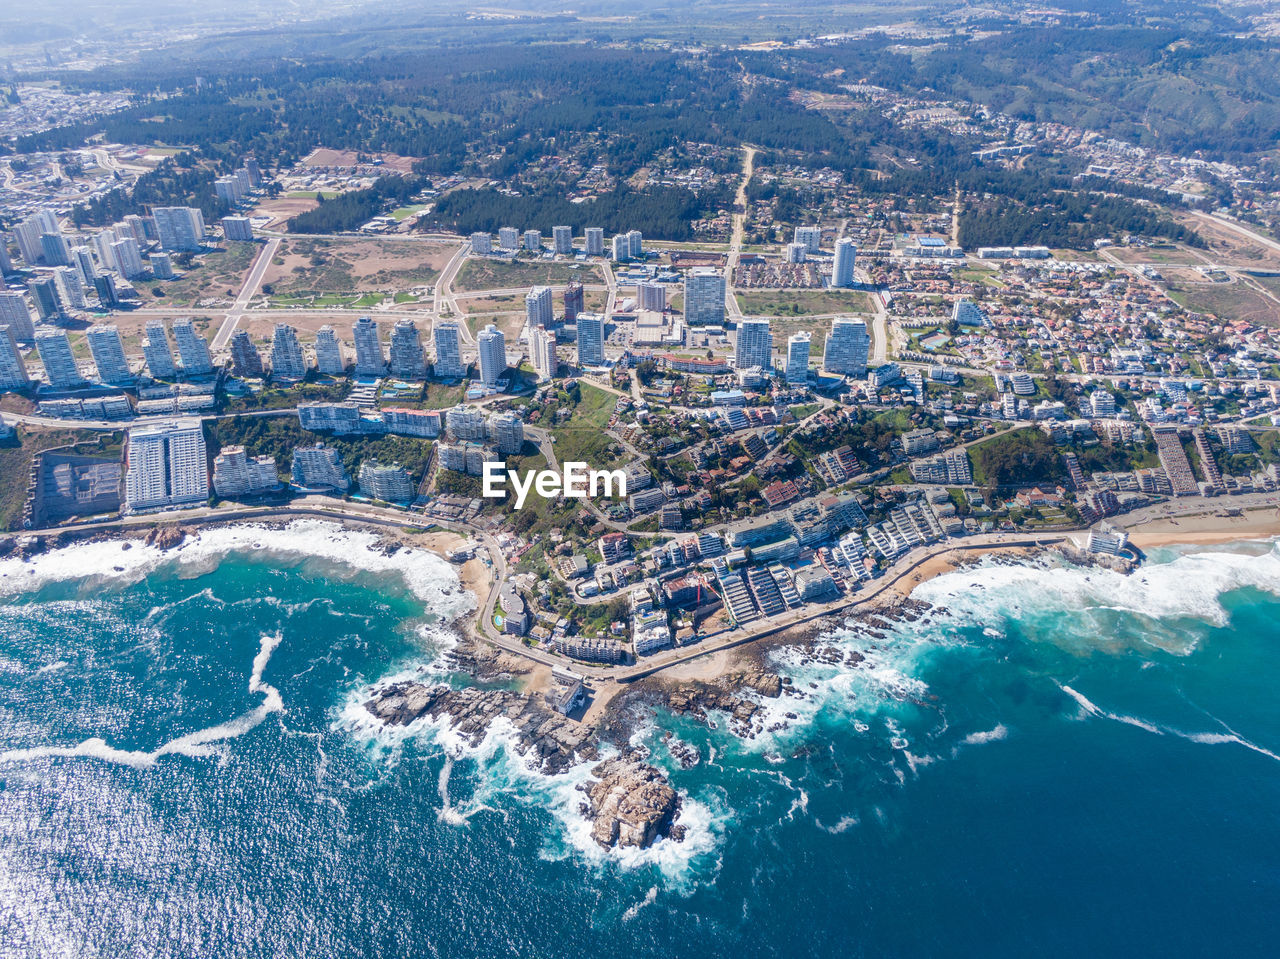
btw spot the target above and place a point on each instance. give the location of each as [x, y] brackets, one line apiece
[1173, 255]
[482, 274]
[1230, 301]
[360, 272]
[209, 280]
[1227, 246]
[283, 209]
[784, 303]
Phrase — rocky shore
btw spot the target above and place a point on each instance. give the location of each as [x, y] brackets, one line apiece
[628, 802]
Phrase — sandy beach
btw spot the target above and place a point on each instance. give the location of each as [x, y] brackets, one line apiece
[1208, 529]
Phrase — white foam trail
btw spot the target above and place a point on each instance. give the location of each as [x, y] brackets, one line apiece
[634, 909]
[844, 824]
[198, 744]
[1211, 739]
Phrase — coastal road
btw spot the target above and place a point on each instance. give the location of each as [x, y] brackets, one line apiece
[247, 292]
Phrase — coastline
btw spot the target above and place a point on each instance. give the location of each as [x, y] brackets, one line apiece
[1207, 529]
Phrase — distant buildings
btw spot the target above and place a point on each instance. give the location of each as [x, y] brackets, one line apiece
[237, 228]
[847, 348]
[704, 292]
[574, 301]
[408, 360]
[157, 352]
[594, 238]
[389, 483]
[533, 241]
[493, 355]
[161, 266]
[60, 368]
[15, 314]
[319, 468]
[179, 227]
[481, 244]
[562, 240]
[590, 339]
[329, 358]
[245, 359]
[287, 359]
[13, 371]
[651, 296]
[448, 365]
[754, 345]
[621, 248]
[237, 474]
[508, 238]
[538, 308]
[810, 237]
[166, 465]
[108, 354]
[128, 257]
[44, 293]
[635, 244]
[797, 371]
[842, 275]
[542, 349]
[193, 351]
[369, 358]
[796, 253]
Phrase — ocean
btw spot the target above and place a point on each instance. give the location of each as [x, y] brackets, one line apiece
[1054, 761]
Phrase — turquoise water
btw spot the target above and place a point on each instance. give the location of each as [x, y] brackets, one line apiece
[1064, 763]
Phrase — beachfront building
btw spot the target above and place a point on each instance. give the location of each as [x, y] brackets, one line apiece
[166, 465]
[319, 467]
[237, 474]
[389, 483]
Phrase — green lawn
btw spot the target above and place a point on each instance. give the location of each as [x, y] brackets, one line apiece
[480, 274]
[804, 302]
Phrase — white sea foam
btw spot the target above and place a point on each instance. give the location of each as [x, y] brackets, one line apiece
[987, 736]
[634, 909]
[1191, 584]
[844, 824]
[199, 744]
[431, 578]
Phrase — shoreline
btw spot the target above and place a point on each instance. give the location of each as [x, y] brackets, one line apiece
[1207, 529]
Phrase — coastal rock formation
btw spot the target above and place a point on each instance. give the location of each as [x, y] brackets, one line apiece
[630, 803]
[165, 537]
[725, 695]
[554, 741]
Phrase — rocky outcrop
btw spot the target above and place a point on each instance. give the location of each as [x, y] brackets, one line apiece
[552, 741]
[166, 537]
[630, 803]
[725, 695]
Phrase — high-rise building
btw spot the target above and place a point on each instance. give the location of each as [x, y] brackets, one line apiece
[70, 287]
[595, 241]
[369, 358]
[166, 465]
[13, 371]
[28, 233]
[193, 350]
[842, 268]
[389, 483]
[651, 296]
[254, 171]
[562, 239]
[60, 368]
[448, 365]
[848, 345]
[590, 339]
[319, 467]
[408, 361]
[6, 264]
[82, 260]
[15, 314]
[508, 238]
[810, 236]
[287, 359]
[44, 293]
[179, 227]
[481, 244]
[161, 266]
[237, 474]
[967, 313]
[157, 351]
[108, 354]
[533, 241]
[796, 252]
[137, 227]
[246, 359]
[104, 284]
[465, 422]
[755, 344]
[228, 189]
[704, 297]
[798, 359]
[55, 249]
[635, 244]
[127, 257]
[238, 228]
[101, 243]
[329, 358]
[493, 355]
[574, 300]
[538, 308]
[506, 432]
[542, 350]
[621, 247]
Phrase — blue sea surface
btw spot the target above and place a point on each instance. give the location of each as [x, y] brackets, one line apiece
[1052, 761]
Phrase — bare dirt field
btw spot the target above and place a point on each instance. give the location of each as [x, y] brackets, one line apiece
[283, 209]
[324, 157]
[1228, 247]
[319, 271]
